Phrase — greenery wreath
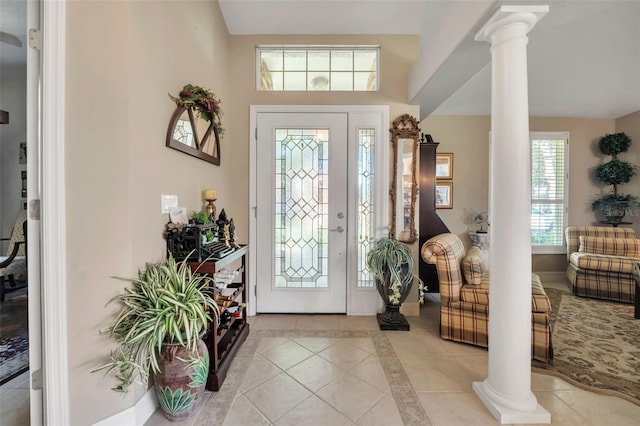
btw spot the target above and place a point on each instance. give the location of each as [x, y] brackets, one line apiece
[203, 101]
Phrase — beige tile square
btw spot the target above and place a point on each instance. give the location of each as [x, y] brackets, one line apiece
[274, 322]
[370, 370]
[243, 413]
[383, 413]
[477, 366]
[350, 395]
[561, 413]
[416, 342]
[267, 343]
[277, 396]
[546, 382]
[215, 409]
[259, 371]
[315, 373]
[437, 373]
[287, 355]
[317, 322]
[363, 343]
[601, 409]
[315, 344]
[455, 409]
[358, 323]
[344, 355]
[313, 412]
[14, 407]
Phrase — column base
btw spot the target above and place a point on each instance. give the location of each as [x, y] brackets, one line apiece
[507, 416]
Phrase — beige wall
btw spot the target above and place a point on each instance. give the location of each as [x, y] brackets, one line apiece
[630, 124]
[467, 137]
[123, 58]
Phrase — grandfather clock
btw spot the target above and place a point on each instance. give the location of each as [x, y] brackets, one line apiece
[430, 223]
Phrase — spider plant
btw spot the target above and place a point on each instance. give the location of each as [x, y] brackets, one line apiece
[167, 303]
[391, 263]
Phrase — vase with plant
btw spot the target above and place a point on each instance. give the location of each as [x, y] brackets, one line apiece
[159, 328]
[391, 264]
[614, 204]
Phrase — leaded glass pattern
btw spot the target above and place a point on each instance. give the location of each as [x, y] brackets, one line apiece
[318, 69]
[365, 218]
[301, 208]
[183, 133]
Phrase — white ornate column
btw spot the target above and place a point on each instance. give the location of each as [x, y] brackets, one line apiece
[506, 392]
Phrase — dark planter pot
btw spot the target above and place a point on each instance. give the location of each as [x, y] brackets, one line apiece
[391, 318]
[615, 212]
[181, 381]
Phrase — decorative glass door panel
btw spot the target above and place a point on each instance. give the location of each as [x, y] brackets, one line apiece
[301, 208]
[301, 212]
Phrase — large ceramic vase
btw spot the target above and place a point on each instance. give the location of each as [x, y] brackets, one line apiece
[181, 381]
[391, 318]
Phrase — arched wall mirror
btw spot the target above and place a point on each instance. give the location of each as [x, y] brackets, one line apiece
[404, 186]
[194, 135]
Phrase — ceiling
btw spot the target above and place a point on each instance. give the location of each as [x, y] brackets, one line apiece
[583, 56]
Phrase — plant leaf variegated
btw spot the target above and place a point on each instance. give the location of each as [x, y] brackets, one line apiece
[167, 303]
[391, 263]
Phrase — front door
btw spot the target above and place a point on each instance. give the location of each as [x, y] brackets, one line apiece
[301, 212]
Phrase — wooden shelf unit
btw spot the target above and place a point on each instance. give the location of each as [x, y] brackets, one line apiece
[223, 343]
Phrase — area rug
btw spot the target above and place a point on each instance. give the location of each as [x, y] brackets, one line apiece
[596, 345]
[14, 338]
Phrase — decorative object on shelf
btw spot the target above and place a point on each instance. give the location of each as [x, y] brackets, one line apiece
[223, 227]
[232, 234]
[481, 219]
[195, 127]
[444, 195]
[444, 165]
[199, 218]
[210, 196]
[158, 331]
[481, 240]
[404, 185]
[391, 264]
[614, 205]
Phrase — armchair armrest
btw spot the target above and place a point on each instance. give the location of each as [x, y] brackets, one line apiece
[14, 253]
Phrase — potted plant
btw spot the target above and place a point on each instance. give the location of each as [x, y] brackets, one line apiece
[613, 204]
[391, 264]
[159, 330]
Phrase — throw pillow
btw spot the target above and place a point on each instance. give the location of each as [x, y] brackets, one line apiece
[473, 266]
[628, 247]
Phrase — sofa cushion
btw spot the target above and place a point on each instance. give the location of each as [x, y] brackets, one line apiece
[473, 266]
[479, 294]
[572, 235]
[628, 247]
[603, 263]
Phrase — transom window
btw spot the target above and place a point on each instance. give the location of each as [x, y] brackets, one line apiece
[317, 68]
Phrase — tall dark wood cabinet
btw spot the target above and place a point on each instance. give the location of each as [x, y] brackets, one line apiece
[430, 224]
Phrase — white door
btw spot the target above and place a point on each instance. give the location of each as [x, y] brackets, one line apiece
[301, 213]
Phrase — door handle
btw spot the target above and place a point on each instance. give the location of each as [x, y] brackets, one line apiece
[338, 229]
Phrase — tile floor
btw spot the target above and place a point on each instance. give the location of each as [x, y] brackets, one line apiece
[338, 370]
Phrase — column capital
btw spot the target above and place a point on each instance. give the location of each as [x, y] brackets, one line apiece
[510, 14]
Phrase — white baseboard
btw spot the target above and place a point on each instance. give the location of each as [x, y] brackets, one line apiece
[136, 415]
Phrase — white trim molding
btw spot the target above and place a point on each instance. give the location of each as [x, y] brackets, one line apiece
[53, 214]
[136, 415]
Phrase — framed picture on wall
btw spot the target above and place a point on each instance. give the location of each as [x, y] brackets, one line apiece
[444, 195]
[444, 165]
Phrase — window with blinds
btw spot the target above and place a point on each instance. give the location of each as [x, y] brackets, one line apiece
[317, 68]
[549, 200]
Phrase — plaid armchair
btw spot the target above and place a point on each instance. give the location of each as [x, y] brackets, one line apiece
[464, 296]
[601, 262]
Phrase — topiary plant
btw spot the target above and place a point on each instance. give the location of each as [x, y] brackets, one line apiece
[615, 172]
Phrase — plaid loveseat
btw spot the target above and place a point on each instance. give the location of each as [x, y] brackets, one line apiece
[464, 296]
[601, 262]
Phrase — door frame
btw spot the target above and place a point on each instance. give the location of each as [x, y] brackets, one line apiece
[360, 301]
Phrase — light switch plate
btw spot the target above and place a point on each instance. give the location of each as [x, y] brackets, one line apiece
[168, 202]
